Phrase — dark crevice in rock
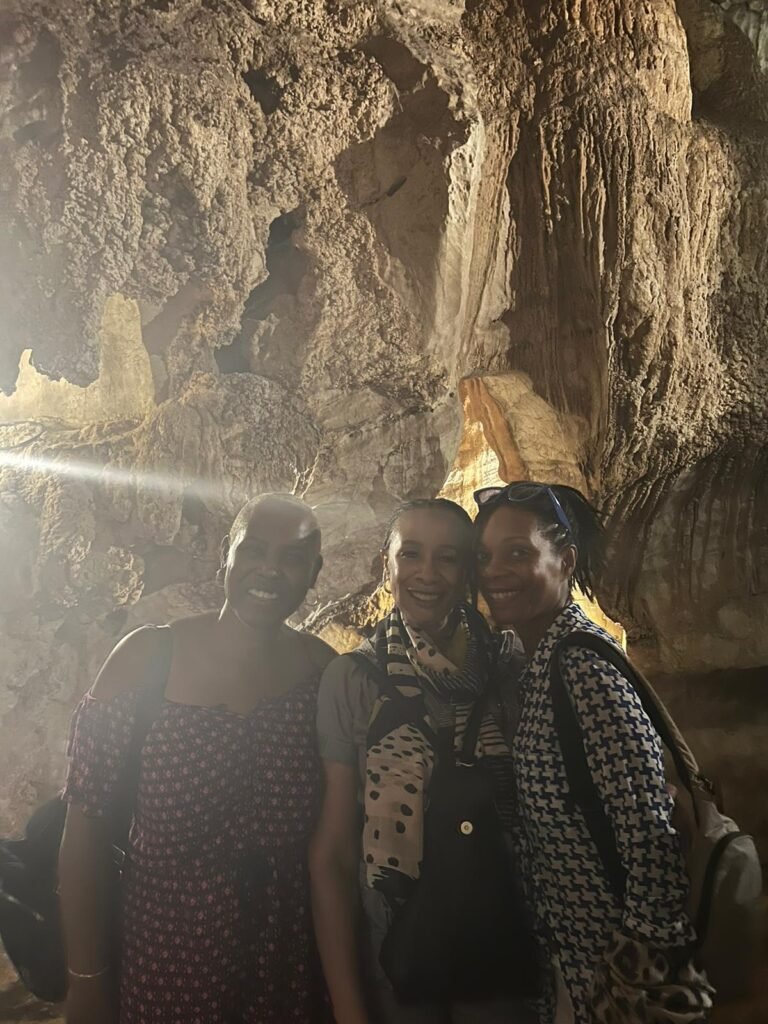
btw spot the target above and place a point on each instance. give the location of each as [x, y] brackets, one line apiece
[396, 61]
[398, 180]
[287, 266]
[32, 132]
[160, 331]
[264, 89]
[41, 70]
[233, 358]
[164, 565]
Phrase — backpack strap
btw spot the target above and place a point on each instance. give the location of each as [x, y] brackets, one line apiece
[583, 791]
[580, 781]
[149, 704]
[685, 763]
[479, 709]
[150, 699]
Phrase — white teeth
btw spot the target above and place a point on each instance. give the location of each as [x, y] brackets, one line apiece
[262, 594]
[424, 597]
[503, 593]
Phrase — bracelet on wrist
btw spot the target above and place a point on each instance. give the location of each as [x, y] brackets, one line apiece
[87, 977]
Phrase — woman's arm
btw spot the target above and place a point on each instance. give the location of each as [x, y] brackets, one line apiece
[625, 760]
[86, 873]
[86, 886]
[334, 861]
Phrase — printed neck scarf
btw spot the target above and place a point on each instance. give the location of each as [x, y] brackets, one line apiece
[402, 739]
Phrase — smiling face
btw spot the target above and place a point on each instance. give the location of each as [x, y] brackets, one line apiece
[271, 562]
[427, 563]
[522, 576]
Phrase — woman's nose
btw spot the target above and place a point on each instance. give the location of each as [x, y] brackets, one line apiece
[427, 569]
[489, 568]
[269, 564]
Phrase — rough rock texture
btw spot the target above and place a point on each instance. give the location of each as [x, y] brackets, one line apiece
[259, 245]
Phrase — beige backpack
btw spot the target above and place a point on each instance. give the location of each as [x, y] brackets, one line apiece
[722, 861]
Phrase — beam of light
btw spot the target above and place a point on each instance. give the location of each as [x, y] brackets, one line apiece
[166, 485]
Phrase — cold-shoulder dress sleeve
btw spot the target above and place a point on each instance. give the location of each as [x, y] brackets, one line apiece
[625, 760]
[99, 743]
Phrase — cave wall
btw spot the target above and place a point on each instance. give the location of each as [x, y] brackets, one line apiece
[259, 245]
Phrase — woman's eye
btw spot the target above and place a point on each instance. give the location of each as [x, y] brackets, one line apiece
[293, 558]
[482, 558]
[409, 554]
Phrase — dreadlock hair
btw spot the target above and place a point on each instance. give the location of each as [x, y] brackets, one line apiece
[586, 533]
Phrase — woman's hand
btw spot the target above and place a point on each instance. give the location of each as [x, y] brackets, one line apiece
[92, 1000]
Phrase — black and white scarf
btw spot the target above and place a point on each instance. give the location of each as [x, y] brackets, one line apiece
[402, 739]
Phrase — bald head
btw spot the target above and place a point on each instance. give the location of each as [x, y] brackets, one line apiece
[293, 512]
[270, 559]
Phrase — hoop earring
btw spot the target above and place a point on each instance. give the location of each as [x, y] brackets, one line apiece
[385, 586]
[315, 601]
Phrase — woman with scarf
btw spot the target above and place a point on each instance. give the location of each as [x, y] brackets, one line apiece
[385, 715]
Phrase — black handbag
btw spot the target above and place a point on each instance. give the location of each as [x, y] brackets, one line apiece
[463, 933]
[30, 924]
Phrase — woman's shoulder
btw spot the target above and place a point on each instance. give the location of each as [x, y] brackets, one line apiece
[583, 640]
[347, 689]
[345, 702]
[319, 653]
[128, 664]
[349, 671]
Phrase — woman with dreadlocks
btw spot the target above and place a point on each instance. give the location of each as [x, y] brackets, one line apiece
[616, 932]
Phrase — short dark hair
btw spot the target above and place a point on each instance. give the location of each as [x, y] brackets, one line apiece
[586, 534]
[431, 505]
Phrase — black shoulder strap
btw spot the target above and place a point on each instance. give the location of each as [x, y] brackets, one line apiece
[150, 699]
[583, 792]
[580, 782]
[149, 704]
[475, 720]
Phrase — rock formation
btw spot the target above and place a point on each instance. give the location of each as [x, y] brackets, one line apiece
[260, 245]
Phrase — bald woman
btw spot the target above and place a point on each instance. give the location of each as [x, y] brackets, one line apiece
[214, 922]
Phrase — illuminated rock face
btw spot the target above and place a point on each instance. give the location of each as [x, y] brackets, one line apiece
[258, 246]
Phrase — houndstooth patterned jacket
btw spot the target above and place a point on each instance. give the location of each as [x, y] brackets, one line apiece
[575, 911]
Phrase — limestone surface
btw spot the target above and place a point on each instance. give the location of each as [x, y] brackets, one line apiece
[286, 245]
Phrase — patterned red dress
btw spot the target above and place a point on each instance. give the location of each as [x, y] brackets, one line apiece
[216, 920]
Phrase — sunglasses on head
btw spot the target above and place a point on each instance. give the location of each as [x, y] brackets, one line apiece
[522, 493]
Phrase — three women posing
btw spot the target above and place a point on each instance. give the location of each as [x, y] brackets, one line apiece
[214, 915]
